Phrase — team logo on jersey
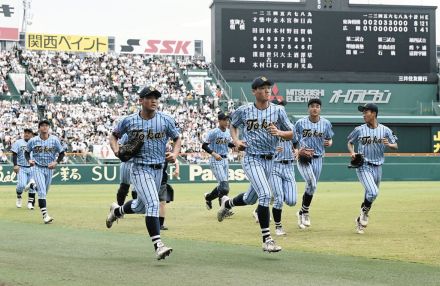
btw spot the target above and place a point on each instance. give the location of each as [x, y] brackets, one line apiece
[150, 134]
[371, 140]
[312, 133]
[43, 149]
[221, 141]
[252, 124]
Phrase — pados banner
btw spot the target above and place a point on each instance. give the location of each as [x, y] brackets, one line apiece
[154, 46]
[66, 43]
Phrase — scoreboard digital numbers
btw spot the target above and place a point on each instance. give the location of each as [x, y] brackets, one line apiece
[397, 41]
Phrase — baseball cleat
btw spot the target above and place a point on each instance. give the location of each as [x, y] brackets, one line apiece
[280, 231]
[306, 219]
[162, 227]
[360, 229]
[223, 211]
[207, 203]
[111, 218]
[363, 218]
[30, 206]
[162, 251]
[270, 246]
[47, 219]
[29, 185]
[300, 221]
[18, 202]
[229, 214]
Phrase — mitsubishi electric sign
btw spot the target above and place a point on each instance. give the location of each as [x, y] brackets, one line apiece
[357, 96]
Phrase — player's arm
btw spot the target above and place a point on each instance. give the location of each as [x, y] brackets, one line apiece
[328, 142]
[286, 125]
[273, 130]
[350, 147]
[27, 155]
[177, 169]
[14, 161]
[241, 145]
[172, 156]
[205, 146]
[113, 140]
[392, 146]
[53, 165]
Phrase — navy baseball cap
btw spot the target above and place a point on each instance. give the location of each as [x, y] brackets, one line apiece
[368, 106]
[44, 121]
[314, 100]
[260, 81]
[147, 91]
[28, 130]
[223, 116]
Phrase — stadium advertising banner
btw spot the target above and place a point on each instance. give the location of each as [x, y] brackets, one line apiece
[334, 169]
[9, 20]
[343, 98]
[66, 43]
[154, 46]
[436, 139]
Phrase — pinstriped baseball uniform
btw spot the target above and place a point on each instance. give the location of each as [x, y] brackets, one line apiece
[370, 144]
[146, 172]
[218, 142]
[25, 172]
[43, 153]
[282, 181]
[257, 162]
[312, 135]
[125, 167]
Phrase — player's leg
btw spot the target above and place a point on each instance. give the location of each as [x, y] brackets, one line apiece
[306, 171]
[31, 188]
[41, 178]
[21, 183]
[163, 195]
[124, 186]
[367, 176]
[218, 170]
[289, 185]
[276, 185]
[258, 171]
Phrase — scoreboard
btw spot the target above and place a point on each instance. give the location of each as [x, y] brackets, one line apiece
[307, 41]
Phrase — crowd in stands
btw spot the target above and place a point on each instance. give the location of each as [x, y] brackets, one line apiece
[94, 91]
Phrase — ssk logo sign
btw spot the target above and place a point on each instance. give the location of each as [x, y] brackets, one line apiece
[164, 47]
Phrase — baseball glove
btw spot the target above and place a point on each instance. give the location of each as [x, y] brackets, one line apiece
[128, 150]
[357, 161]
[305, 155]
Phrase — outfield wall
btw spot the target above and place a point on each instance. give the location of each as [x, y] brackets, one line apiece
[335, 169]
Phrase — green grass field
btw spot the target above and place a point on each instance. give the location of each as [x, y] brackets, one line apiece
[401, 245]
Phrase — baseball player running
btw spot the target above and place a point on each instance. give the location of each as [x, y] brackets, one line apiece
[282, 182]
[23, 169]
[263, 124]
[372, 138]
[124, 177]
[314, 133]
[41, 152]
[155, 128]
[216, 144]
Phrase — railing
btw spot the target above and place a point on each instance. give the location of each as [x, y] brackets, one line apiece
[221, 80]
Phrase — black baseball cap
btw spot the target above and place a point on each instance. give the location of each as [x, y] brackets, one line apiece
[368, 106]
[223, 116]
[260, 81]
[147, 91]
[28, 130]
[314, 100]
[44, 121]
